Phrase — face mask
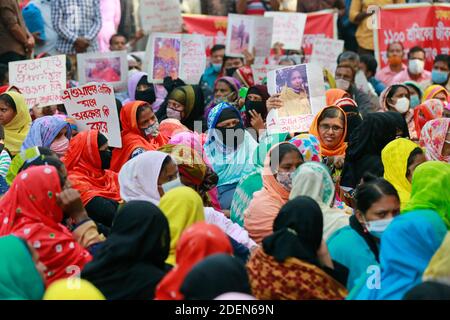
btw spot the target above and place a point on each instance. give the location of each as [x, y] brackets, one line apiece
[377, 227]
[105, 157]
[227, 98]
[172, 184]
[285, 179]
[230, 71]
[146, 95]
[439, 77]
[415, 101]
[173, 114]
[402, 105]
[342, 84]
[60, 146]
[258, 106]
[395, 60]
[416, 66]
[236, 132]
[216, 67]
[153, 130]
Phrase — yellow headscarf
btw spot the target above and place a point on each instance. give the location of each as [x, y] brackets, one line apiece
[432, 91]
[439, 268]
[73, 289]
[395, 158]
[17, 130]
[182, 207]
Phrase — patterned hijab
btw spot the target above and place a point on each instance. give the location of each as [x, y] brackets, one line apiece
[433, 138]
[429, 110]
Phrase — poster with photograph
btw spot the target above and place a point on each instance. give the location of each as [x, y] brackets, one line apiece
[93, 106]
[177, 56]
[260, 71]
[39, 80]
[109, 67]
[288, 28]
[302, 90]
[326, 51]
[160, 15]
[246, 32]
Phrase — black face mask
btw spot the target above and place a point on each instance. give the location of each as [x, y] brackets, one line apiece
[2, 146]
[258, 106]
[353, 121]
[105, 156]
[230, 71]
[147, 95]
[237, 133]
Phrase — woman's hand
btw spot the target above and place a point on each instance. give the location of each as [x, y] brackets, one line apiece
[70, 202]
[274, 102]
[257, 121]
[249, 57]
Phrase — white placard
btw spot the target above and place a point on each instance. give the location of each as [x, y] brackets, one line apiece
[288, 28]
[93, 106]
[39, 80]
[160, 15]
[325, 53]
[260, 71]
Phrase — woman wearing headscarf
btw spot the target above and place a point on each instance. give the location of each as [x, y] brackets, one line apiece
[438, 269]
[435, 138]
[407, 246]
[351, 110]
[87, 162]
[280, 163]
[294, 258]
[20, 274]
[312, 179]
[213, 276]
[309, 147]
[366, 143]
[49, 132]
[427, 111]
[33, 210]
[428, 183]
[73, 289]
[226, 89]
[255, 104]
[231, 158]
[436, 92]
[15, 119]
[139, 89]
[131, 262]
[140, 133]
[196, 243]
[415, 93]
[332, 95]
[400, 158]
[376, 204]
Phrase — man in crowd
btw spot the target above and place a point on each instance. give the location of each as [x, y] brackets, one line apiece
[416, 68]
[395, 54]
[440, 72]
[369, 65]
[317, 5]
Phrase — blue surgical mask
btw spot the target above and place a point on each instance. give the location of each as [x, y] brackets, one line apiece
[377, 227]
[414, 101]
[216, 67]
[439, 77]
[172, 185]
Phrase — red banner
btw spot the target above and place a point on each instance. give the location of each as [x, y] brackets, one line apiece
[214, 28]
[427, 26]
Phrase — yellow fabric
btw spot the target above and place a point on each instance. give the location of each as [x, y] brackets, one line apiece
[182, 207]
[73, 289]
[439, 267]
[431, 91]
[16, 131]
[364, 35]
[395, 158]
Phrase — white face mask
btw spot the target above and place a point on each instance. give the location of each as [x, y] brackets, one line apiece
[342, 84]
[402, 105]
[377, 227]
[416, 66]
[172, 184]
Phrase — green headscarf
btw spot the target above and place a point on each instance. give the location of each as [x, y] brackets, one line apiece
[431, 189]
[19, 278]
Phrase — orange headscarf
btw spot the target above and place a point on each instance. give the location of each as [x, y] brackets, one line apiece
[340, 148]
[85, 171]
[132, 137]
[332, 95]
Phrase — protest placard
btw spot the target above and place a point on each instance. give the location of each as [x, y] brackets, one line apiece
[325, 53]
[109, 67]
[260, 71]
[39, 80]
[302, 90]
[160, 15]
[288, 28]
[176, 56]
[93, 106]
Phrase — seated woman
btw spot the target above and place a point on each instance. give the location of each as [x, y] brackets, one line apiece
[436, 92]
[280, 163]
[427, 111]
[351, 110]
[140, 133]
[15, 119]
[49, 132]
[87, 162]
[5, 162]
[196, 243]
[415, 93]
[438, 270]
[256, 109]
[41, 196]
[435, 138]
[313, 180]
[139, 89]
[229, 148]
[400, 158]
[330, 127]
[226, 89]
[130, 263]
[294, 258]
[377, 203]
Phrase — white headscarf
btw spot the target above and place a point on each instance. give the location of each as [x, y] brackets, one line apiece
[138, 178]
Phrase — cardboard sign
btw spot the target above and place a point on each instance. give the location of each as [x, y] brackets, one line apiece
[288, 28]
[260, 71]
[325, 53]
[160, 15]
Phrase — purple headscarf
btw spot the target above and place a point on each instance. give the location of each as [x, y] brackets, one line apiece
[44, 130]
[234, 84]
[133, 81]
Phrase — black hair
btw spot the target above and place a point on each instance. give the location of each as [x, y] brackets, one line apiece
[168, 160]
[217, 47]
[416, 90]
[138, 60]
[443, 58]
[371, 190]
[141, 109]
[412, 157]
[370, 63]
[68, 64]
[279, 152]
[394, 89]
[3, 73]
[226, 58]
[115, 36]
[414, 50]
[392, 43]
[101, 139]
[8, 100]
[2, 132]
[331, 113]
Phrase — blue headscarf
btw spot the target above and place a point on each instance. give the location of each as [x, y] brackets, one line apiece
[229, 164]
[407, 246]
[44, 130]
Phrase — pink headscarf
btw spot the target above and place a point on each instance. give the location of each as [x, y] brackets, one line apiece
[433, 137]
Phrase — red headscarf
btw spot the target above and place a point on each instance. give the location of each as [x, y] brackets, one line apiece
[29, 211]
[429, 110]
[197, 242]
[132, 137]
[84, 167]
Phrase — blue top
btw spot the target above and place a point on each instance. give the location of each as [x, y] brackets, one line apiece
[377, 85]
[210, 76]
